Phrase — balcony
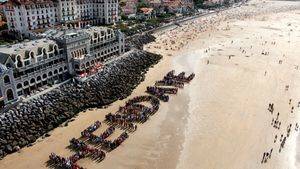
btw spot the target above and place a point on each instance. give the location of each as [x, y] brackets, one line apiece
[44, 61]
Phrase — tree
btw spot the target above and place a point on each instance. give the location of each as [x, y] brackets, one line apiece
[122, 3]
[3, 27]
[124, 17]
[226, 2]
[142, 4]
[198, 3]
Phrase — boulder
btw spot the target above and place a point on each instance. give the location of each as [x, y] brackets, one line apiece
[23, 124]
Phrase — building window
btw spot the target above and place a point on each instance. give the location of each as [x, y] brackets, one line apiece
[19, 86]
[38, 78]
[20, 93]
[8, 65]
[27, 62]
[26, 83]
[9, 95]
[32, 80]
[6, 79]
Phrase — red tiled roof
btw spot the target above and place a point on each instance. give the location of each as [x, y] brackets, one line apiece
[146, 10]
[130, 7]
[177, 3]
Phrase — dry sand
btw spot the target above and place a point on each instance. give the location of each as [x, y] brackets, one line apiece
[220, 120]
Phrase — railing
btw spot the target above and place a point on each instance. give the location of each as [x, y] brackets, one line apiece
[104, 42]
[44, 61]
[80, 37]
[38, 72]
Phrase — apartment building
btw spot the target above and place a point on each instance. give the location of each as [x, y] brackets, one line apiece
[27, 66]
[38, 15]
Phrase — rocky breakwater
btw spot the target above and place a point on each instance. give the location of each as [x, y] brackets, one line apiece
[138, 41]
[22, 124]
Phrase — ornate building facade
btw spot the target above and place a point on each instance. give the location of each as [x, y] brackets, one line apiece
[27, 67]
[35, 15]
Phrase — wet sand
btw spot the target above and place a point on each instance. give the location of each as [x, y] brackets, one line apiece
[219, 120]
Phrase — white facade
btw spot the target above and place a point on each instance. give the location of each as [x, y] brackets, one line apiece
[27, 15]
[25, 67]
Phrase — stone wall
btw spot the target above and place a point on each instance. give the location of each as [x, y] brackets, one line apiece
[22, 124]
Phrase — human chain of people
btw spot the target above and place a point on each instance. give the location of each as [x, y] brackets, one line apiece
[95, 147]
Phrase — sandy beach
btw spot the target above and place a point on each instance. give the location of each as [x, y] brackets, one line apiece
[245, 59]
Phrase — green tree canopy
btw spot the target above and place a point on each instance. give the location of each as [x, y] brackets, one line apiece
[142, 4]
[198, 3]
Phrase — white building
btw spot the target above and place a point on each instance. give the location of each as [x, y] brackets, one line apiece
[27, 15]
[25, 67]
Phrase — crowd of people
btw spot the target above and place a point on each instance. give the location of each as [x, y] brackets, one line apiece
[82, 151]
[161, 92]
[62, 162]
[111, 145]
[276, 124]
[125, 119]
[169, 82]
[180, 77]
[175, 80]
[92, 138]
[24, 122]
[176, 38]
[267, 156]
[87, 132]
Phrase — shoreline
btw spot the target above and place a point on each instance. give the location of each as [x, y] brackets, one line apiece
[74, 127]
[212, 122]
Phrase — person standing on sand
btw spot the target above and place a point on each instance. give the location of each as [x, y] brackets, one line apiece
[271, 153]
[267, 156]
[287, 87]
[263, 158]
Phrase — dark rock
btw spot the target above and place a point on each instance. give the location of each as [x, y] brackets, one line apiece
[9, 148]
[27, 121]
[1, 153]
[139, 40]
